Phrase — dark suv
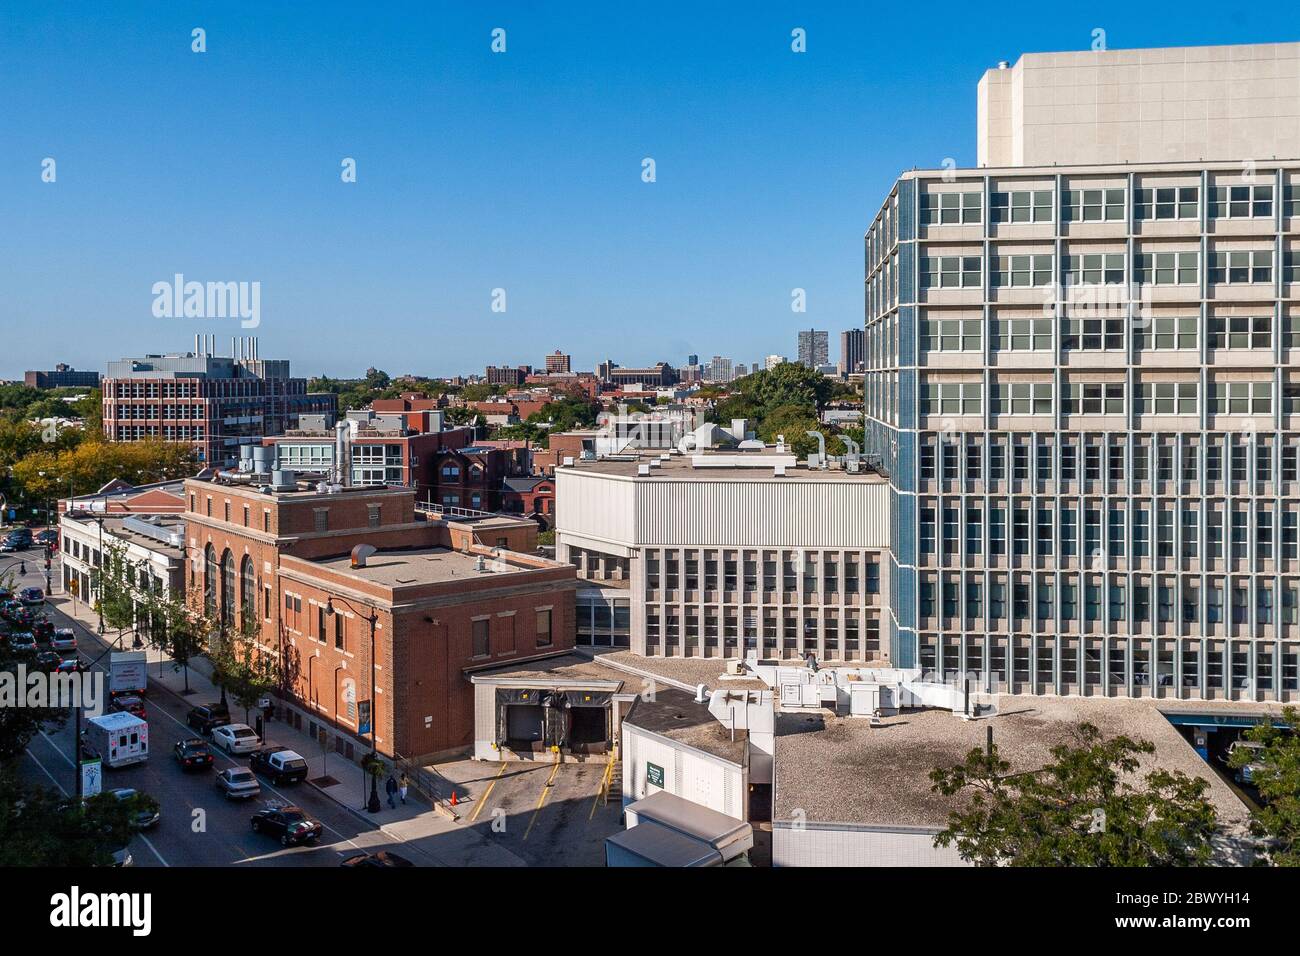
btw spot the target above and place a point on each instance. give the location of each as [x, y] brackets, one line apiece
[206, 716]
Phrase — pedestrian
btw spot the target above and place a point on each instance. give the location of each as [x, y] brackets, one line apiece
[402, 786]
[391, 787]
[22, 567]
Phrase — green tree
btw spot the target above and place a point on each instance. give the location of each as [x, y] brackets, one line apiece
[177, 630]
[40, 827]
[1088, 807]
[1275, 772]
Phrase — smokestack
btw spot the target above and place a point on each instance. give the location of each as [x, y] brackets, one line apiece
[343, 453]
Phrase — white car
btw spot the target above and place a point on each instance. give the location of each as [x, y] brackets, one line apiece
[236, 738]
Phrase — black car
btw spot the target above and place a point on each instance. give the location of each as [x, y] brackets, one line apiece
[281, 764]
[48, 536]
[290, 824]
[381, 858]
[193, 754]
[43, 631]
[48, 660]
[206, 716]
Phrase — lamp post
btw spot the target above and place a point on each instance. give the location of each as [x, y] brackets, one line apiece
[373, 804]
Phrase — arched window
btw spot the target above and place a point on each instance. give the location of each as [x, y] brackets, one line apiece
[247, 592]
[227, 588]
[209, 581]
[349, 708]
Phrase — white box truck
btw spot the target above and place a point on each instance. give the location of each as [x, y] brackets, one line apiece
[120, 739]
[127, 673]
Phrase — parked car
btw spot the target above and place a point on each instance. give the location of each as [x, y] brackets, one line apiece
[43, 631]
[22, 642]
[379, 858]
[236, 738]
[238, 783]
[64, 639]
[289, 823]
[31, 597]
[147, 813]
[70, 663]
[193, 754]
[48, 660]
[48, 536]
[1254, 750]
[128, 703]
[281, 764]
[12, 543]
[205, 717]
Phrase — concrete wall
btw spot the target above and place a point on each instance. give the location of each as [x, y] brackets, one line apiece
[1160, 105]
[689, 773]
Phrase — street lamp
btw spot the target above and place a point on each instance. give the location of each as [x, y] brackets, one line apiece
[373, 805]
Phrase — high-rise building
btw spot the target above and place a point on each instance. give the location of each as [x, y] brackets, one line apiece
[692, 360]
[557, 363]
[214, 403]
[814, 348]
[1080, 381]
[772, 361]
[719, 370]
[851, 350]
[511, 375]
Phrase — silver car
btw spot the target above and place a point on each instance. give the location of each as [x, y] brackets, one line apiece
[238, 783]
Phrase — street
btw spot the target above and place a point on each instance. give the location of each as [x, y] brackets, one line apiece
[199, 827]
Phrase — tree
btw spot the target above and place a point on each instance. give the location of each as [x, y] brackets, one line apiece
[40, 827]
[1275, 772]
[177, 630]
[1087, 807]
[115, 589]
[244, 668]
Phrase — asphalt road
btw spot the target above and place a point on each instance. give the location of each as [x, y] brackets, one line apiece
[198, 827]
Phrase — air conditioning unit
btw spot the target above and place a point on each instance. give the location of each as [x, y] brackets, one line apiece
[735, 667]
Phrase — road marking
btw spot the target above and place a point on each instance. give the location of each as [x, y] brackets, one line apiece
[606, 781]
[58, 750]
[546, 791]
[47, 772]
[486, 793]
[150, 845]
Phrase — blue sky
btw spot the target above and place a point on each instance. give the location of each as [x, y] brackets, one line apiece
[478, 171]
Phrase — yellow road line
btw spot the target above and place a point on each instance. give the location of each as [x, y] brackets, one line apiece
[482, 801]
[546, 791]
[606, 779]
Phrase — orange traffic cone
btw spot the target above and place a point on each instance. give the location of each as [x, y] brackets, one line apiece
[454, 800]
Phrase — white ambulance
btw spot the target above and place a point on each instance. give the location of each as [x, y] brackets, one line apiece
[119, 739]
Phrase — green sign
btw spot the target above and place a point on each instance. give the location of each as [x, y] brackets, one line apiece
[654, 774]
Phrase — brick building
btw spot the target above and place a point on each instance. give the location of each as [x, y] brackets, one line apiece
[445, 594]
[532, 496]
[472, 477]
[61, 376]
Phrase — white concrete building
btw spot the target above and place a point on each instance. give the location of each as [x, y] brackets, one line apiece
[154, 546]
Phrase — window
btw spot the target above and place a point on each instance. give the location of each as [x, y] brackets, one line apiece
[951, 272]
[1026, 271]
[1092, 205]
[321, 518]
[951, 208]
[1241, 202]
[1094, 269]
[247, 591]
[544, 637]
[1022, 206]
[951, 398]
[1241, 398]
[1241, 332]
[481, 639]
[1241, 266]
[1166, 333]
[373, 515]
[1090, 333]
[1166, 202]
[227, 588]
[951, 335]
[1022, 398]
[1023, 335]
[1167, 398]
[1094, 399]
[1165, 268]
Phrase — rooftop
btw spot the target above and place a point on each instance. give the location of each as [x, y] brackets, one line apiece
[686, 671]
[416, 566]
[844, 770]
[722, 466]
[566, 668]
[675, 714]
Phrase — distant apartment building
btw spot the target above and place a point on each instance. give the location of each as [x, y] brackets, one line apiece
[62, 376]
[513, 376]
[212, 403]
[1081, 381]
[661, 373]
[719, 370]
[814, 348]
[557, 363]
[726, 555]
[851, 345]
[692, 360]
[772, 361]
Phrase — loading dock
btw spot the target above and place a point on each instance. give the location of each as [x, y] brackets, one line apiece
[561, 704]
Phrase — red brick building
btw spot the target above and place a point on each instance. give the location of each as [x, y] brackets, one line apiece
[473, 477]
[531, 496]
[445, 595]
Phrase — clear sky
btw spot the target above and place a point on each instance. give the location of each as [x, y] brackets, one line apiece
[476, 170]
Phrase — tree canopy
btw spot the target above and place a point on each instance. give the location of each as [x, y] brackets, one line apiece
[1275, 773]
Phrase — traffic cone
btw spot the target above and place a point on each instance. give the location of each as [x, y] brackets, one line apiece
[454, 799]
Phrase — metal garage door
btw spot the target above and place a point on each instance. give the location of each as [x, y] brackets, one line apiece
[524, 723]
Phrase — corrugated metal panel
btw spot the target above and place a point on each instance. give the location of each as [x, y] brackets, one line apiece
[594, 506]
[847, 845]
[768, 514]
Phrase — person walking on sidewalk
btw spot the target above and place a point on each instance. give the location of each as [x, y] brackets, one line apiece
[391, 787]
[402, 786]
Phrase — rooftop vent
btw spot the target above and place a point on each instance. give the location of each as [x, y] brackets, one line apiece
[361, 553]
[643, 469]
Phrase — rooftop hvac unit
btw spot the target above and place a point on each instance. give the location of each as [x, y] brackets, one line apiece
[643, 469]
[568, 461]
[735, 667]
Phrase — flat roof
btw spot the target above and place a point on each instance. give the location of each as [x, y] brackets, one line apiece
[567, 668]
[662, 846]
[844, 770]
[678, 467]
[690, 671]
[675, 714]
[414, 566]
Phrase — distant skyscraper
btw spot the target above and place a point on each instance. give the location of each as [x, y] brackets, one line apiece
[692, 360]
[558, 363]
[772, 361]
[720, 369]
[814, 348]
[851, 343]
[741, 370]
